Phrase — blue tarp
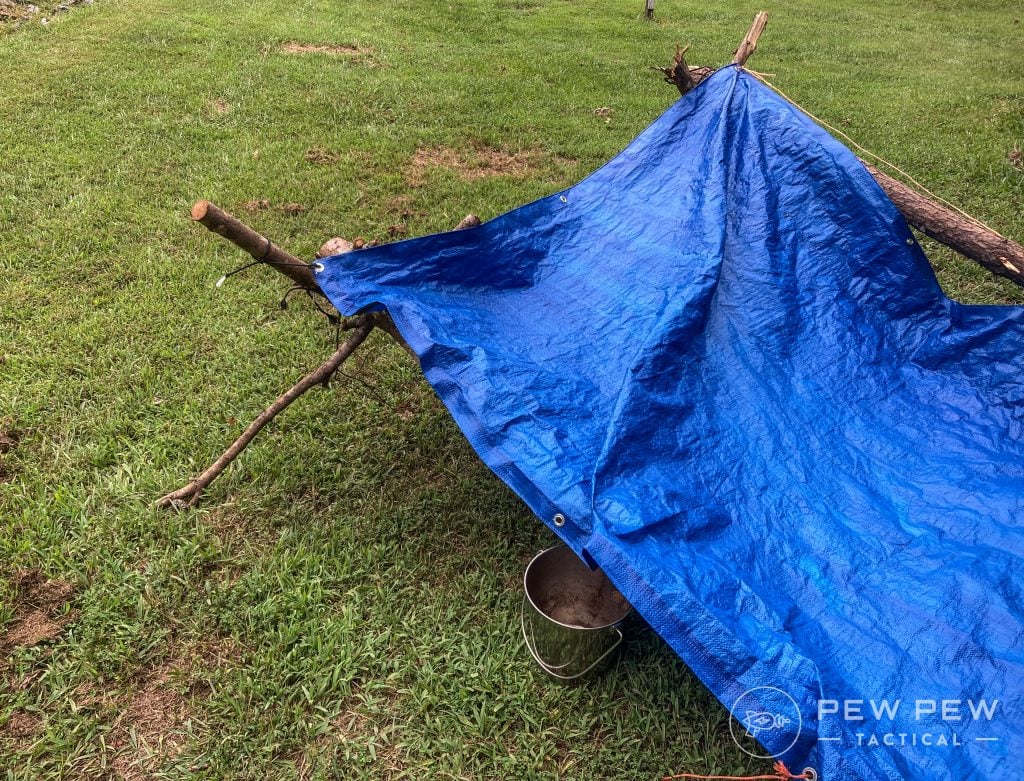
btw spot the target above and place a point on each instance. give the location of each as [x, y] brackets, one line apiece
[724, 358]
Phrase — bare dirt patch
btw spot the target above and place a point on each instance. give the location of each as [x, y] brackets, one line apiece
[320, 156]
[12, 10]
[15, 13]
[221, 106]
[477, 161]
[358, 722]
[401, 206]
[9, 439]
[37, 614]
[154, 720]
[21, 728]
[257, 205]
[350, 52]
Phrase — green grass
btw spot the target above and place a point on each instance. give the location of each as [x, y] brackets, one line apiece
[345, 602]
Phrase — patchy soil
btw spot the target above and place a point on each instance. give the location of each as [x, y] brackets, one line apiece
[1016, 158]
[319, 156]
[401, 206]
[362, 55]
[257, 205]
[8, 441]
[156, 715]
[478, 161]
[358, 720]
[21, 729]
[15, 13]
[154, 720]
[10, 10]
[37, 612]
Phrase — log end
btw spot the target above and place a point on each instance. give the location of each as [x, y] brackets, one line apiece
[335, 246]
[200, 209]
[469, 221]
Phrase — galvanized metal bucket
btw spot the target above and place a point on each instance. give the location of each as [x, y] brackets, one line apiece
[572, 615]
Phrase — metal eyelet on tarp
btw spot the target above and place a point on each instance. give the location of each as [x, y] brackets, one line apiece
[559, 520]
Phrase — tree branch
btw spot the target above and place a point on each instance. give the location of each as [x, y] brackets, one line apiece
[749, 43]
[187, 496]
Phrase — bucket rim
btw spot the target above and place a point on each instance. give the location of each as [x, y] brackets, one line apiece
[535, 606]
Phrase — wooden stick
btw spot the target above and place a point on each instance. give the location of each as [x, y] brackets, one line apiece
[749, 43]
[187, 496]
[257, 245]
[684, 76]
[233, 229]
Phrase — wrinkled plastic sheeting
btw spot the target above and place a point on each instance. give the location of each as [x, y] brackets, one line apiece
[724, 358]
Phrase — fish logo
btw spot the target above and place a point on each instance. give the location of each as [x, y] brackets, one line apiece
[765, 722]
[758, 721]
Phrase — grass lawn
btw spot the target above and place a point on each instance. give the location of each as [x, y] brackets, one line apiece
[344, 603]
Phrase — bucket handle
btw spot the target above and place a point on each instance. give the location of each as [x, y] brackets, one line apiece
[550, 669]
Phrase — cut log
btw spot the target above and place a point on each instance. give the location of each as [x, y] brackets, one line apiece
[971, 239]
[469, 221]
[335, 246]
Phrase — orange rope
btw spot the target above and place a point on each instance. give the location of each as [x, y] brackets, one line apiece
[781, 774]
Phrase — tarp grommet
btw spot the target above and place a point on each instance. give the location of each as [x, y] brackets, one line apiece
[559, 520]
[810, 774]
[317, 267]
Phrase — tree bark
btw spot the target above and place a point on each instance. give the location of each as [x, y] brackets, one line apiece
[684, 76]
[257, 245]
[749, 43]
[993, 251]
